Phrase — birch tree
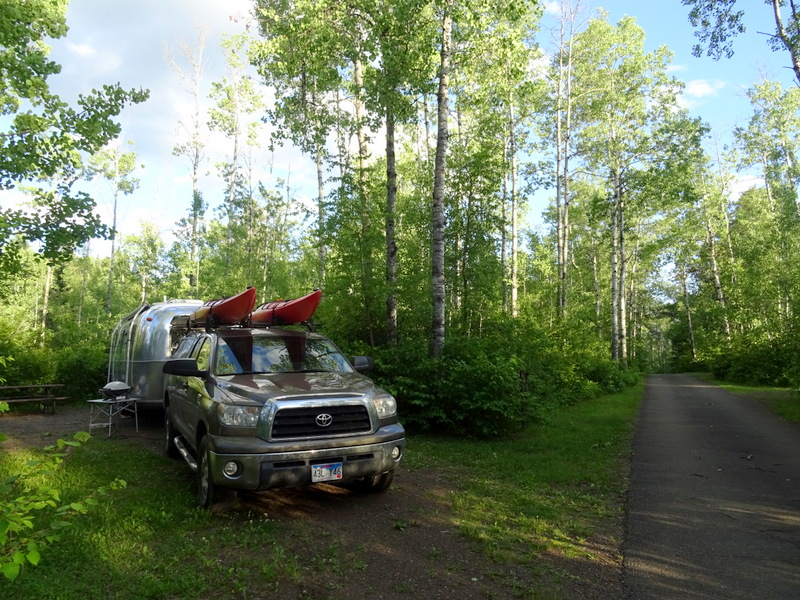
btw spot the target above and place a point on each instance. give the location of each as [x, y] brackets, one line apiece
[564, 95]
[630, 94]
[116, 168]
[190, 67]
[439, 175]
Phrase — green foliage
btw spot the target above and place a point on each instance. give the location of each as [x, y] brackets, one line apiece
[46, 140]
[759, 362]
[469, 391]
[31, 363]
[33, 513]
[82, 369]
[493, 385]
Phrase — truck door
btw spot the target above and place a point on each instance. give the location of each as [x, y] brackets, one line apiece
[178, 387]
[196, 392]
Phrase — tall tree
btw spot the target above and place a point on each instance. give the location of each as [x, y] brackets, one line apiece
[439, 174]
[631, 95]
[145, 257]
[116, 168]
[190, 66]
[564, 95]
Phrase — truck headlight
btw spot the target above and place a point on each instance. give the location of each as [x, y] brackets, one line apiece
[385, 404]
[238, 416]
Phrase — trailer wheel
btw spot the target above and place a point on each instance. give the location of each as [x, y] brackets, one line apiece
[207, 493]
[170, 448]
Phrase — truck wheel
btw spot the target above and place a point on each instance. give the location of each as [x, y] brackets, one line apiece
[373, 484]
[170, 448]
[207, 492]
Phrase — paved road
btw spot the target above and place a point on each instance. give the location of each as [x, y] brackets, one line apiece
[714, 503]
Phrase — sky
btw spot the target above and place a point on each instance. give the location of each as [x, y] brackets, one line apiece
[111, 41]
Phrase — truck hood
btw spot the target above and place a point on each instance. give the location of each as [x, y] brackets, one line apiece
[264, 387]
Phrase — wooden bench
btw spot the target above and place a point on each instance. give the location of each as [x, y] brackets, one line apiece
[43, 393]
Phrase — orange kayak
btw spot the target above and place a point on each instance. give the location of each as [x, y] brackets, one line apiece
[226, 311]
[287, 312]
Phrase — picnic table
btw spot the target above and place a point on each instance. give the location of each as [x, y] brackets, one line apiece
[43, 393]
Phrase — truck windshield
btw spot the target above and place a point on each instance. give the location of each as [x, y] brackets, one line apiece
[277, 354]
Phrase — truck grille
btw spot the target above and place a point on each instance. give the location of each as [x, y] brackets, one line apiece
[309, 421]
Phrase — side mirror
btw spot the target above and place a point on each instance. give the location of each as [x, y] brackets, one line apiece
[185, 367]
[363, 363]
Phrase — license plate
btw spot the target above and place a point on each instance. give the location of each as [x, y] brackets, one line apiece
[329, 472]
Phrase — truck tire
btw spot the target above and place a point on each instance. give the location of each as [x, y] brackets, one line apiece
[170, 448]
[207, 492]
[372, 484]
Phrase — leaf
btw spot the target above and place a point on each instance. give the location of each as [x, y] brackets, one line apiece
[11, 571]
[33, 557]
[82, 436]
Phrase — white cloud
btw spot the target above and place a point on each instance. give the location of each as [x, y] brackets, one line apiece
[553, 8]
[83, 50]
[702, 88]
[742, 183]
[699, 90]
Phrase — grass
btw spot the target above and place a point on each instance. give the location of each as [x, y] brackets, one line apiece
[150, 540]
[784, 402]
[548, 489]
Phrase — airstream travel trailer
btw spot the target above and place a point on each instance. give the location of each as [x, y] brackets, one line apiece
[142, 342]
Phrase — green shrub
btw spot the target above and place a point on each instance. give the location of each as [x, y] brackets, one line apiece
[83, 370]
[757, 362]
[469, 391]
[495, 384]
[29, 365]
[30, 362]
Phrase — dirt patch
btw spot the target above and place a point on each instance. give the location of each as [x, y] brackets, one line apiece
[396, 545]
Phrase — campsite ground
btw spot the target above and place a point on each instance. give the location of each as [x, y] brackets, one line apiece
[399, 544]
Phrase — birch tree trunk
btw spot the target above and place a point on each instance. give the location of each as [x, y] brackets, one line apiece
[366, 253]
[615, 355]
[109, 291]
[563, 139]
[623, 269]
[687, 306]
[391, 243]
[720, 293]
[440, 170]
[48, 282]
[514, 210]
[322, 252]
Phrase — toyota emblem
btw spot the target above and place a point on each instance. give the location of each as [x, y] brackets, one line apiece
[324, 420]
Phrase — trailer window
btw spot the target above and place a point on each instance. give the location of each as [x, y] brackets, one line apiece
[184, 349]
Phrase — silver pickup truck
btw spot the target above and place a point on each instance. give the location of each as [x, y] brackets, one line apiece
[259, 408]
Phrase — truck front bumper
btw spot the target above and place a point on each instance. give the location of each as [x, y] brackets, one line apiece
[263, 465]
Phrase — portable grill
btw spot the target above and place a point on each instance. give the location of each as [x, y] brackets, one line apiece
[115, 389]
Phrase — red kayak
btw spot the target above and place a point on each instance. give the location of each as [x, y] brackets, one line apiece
[226, 311]
[287, 312]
